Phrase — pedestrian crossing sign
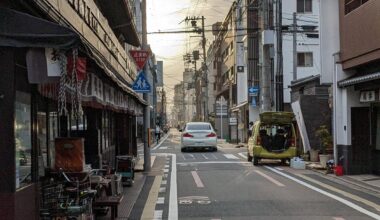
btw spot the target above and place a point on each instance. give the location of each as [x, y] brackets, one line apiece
[141, 85]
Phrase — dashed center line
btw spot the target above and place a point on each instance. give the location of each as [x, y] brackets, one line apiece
[197, 179]
[269, 178]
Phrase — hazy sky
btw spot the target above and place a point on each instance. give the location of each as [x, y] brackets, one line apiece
[166, 15]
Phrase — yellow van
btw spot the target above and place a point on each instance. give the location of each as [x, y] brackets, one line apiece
[273, 137]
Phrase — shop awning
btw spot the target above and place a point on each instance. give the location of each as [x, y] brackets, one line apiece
[236, 108]
[359, 79]
[23, 30]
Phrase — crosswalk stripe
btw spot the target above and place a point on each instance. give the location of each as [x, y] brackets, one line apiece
[158, 214]
[243, 155]
[230, 156]
[160, 200]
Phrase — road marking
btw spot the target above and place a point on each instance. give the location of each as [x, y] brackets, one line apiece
[166, 170]
[165, 175]
[344, 201]
[338, 218]
[150, 204]
[164, 182]
[184, 158]
[173, 203]
[204, 156]
[197, 179]
[242, 155]
[162, 141]
[160, 200]
[213, 155]
[214, 162]
[153, 158]
[163, 148]
[158, 214]
[192, 156]
[166, 166]
[278, 168]
[230, 156]
[269, 178]
[162, 189]
[346, 194]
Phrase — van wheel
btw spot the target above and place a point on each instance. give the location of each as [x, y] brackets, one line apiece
[255, 161]
[249, 158]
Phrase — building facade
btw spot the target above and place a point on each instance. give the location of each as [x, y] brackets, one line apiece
[80, 90]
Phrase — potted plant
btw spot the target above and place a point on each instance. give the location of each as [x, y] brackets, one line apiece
[326, 142]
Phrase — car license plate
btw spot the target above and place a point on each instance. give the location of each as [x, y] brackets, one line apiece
[198, 143]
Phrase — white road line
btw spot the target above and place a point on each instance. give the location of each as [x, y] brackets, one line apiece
[269, 178]
[230, 156]
[164, 182]
[278, 168]
[243, 155]
[204, 156]
[197, 179]
[158, 214]
[160, 200]
[162, 141]
[163, 148]
[344, 201]
[166, 170]
[214, 162]
[153, 158]
[213, 155]
[173, 200]
[162, 189]
[173, 203]
[338, 218]
[166, 166]
[192, 156]
[184, 158]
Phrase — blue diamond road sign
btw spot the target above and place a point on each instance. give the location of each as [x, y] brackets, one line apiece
[141, 85]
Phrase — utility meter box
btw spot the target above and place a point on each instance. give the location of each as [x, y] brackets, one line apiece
[267, 37]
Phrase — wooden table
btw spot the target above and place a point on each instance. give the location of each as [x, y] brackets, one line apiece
[109, 201]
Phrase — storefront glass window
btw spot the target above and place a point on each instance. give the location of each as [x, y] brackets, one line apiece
[378, 129]
[53, 133]
[23, 139]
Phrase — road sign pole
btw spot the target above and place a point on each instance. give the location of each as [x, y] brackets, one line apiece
[221, 119]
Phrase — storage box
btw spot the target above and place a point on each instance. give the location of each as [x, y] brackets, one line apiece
[297, 163]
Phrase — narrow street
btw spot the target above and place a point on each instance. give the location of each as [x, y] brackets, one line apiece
[222, 185]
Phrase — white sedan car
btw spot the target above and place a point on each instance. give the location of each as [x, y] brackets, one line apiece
[198, 135]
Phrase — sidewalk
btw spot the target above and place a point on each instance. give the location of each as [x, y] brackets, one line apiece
[224, 144]
[368, 182]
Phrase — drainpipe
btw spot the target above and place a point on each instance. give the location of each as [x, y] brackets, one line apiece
[335, 89]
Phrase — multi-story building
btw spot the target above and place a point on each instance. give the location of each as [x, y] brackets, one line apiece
[41, 108]
[356, 86]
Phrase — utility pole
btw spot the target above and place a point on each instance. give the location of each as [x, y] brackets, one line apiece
[279, 73]
[145, 96]
[266, 67]
[204, 67]
[294, 46]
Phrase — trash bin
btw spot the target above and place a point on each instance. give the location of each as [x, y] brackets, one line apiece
[338, 170]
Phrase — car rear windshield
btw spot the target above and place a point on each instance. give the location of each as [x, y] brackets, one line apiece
[197, 127]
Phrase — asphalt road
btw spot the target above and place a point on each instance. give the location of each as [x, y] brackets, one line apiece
[223, 185]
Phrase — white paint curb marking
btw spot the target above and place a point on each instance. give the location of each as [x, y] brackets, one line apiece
[197, 179]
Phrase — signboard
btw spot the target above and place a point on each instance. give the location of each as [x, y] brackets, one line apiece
[253, 91]
[233, 121]
[221, 107]
[367, 96]
[140, 57]
[141, 84]
[240, 69]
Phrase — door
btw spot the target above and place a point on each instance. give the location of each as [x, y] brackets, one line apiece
[361, 145]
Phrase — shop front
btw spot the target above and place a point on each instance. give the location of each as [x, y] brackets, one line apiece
[55, 97]
[362, 153]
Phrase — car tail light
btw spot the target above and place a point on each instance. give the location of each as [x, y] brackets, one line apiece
[187, 135]
[258, 141]
[292, 142]
[211, 135]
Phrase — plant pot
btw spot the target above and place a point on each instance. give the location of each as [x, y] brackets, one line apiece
[323, 158]
[313, 155]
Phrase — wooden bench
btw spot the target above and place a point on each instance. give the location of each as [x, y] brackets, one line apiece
[109, 201]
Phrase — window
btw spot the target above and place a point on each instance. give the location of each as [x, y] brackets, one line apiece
[23, 139]
[305, 59]
[304, 6]
[201, 127]
[350, 5]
